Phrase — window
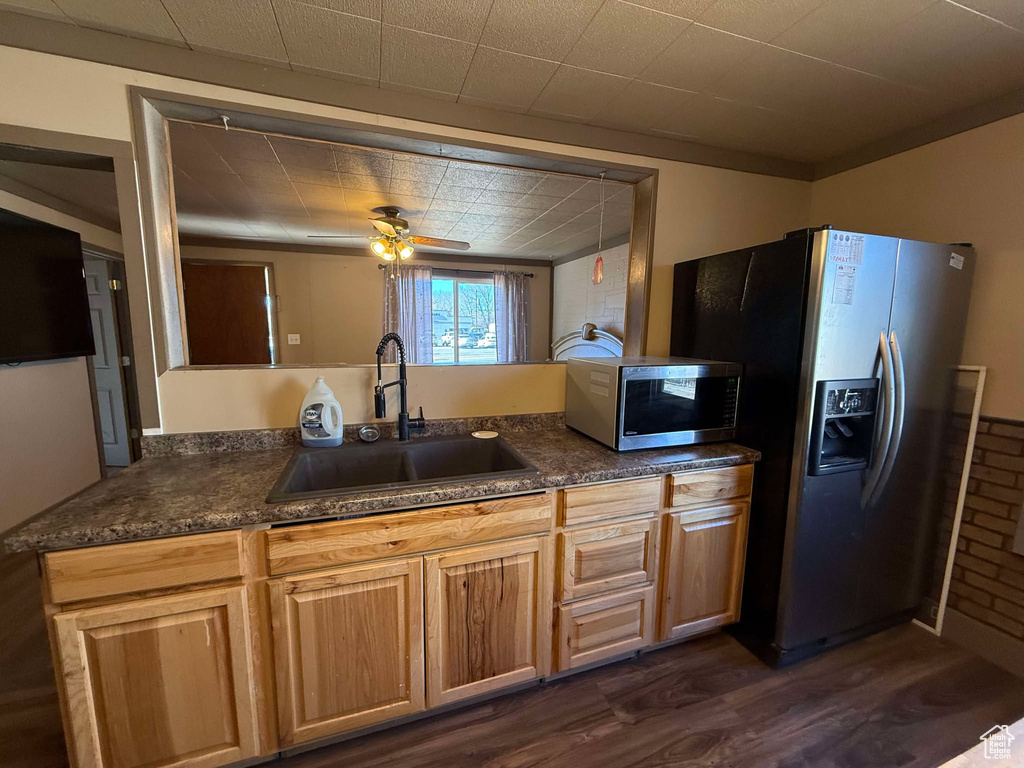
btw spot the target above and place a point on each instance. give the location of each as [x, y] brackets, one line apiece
[463, 313]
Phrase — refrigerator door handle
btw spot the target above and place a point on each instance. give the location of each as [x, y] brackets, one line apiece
[884, 438]
[901, 407]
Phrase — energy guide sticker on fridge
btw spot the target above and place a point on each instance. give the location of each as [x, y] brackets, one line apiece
[846, 281]
[844, 248]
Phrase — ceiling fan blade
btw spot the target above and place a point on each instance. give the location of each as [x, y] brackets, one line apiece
[384, 228]
[437, 242]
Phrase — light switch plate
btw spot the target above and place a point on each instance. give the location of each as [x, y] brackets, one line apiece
[294, 338]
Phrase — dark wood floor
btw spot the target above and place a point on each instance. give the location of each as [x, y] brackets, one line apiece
[901, 698]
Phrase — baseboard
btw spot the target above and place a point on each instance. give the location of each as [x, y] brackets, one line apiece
[998, 647]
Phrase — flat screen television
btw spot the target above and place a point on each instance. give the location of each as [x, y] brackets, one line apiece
[44, 307]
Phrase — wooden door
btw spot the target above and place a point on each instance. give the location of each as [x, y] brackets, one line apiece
[226, 314]
[165, 681]
[703, 551]
[348, 647]
[488, 617]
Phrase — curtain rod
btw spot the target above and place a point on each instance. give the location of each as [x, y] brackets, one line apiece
[476, 271]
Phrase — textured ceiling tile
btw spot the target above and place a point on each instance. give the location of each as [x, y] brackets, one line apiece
[417, 91]
[250, 146]
[321, 176]
[44, 8]
[460, 19]
[369, 9]
[405, 167]
[329, 40]
[698, 57]
[907, 52]
[303, 154]
[547, 29]
[191, 152]
[576, 204]
[622, 39]
[362, 162]
[420, 60]
[273, 185]
[413, 187]
[639, 107]
[363, 183]
[840, 25]
[562, 186]
[143, 18]
[759, 19]
[462, 194]
[497, 197]
[1006, 11]
[515, 182]
[319, 193]
[687, 9]
[578, 92]
[501, 77]
[244, 167]
[472, 101]
[468, 175]
[987, 66]
[238, 26]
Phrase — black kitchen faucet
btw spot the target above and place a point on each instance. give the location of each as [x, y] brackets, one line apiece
[379, 401]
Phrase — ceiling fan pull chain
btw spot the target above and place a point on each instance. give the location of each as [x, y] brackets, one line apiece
[600, 225]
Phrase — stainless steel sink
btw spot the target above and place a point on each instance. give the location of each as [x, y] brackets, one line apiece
[356, 468]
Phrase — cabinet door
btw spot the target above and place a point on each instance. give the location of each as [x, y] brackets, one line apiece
[704, 553]
[608, 557]
[603, 627]
[165, 681]
[348, 647]
[488, 617]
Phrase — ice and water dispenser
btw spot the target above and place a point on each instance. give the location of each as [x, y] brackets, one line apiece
[844, 425]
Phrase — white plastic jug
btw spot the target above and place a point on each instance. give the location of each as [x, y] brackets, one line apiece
[320, 419]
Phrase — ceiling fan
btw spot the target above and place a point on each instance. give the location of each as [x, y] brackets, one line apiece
[394, 238]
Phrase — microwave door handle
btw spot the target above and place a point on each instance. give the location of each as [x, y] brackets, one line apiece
[901, 408]
[884, 437]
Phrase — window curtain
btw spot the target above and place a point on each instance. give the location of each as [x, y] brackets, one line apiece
[408, 311]
[511, 307]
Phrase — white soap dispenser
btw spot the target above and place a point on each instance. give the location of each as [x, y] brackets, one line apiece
[320, 419]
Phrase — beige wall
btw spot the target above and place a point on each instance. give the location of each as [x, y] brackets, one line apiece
[577, 300]
[966, 188]
[335, 301]
[700, 210]
[197, 401]
[47, 434]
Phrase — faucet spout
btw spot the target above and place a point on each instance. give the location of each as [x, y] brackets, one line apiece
[379, 399]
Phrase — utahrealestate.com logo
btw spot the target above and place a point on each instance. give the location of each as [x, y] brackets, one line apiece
[998, 742]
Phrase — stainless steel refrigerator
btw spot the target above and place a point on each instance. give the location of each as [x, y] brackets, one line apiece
[850, 344]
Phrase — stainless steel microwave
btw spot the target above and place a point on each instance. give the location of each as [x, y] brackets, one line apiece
[650, 402]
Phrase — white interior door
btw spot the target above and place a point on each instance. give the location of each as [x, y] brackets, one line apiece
[107, 365]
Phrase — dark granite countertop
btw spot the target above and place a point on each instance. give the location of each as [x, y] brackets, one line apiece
[206, 492]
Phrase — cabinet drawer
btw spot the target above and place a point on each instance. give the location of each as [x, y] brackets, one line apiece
[595, 503]
[709, 485]
[607, 626]
[320, 545]
[607, 557]
[115, 569]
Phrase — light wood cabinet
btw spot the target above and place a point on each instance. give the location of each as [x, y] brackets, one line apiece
[488, 613]
[603, 627]
[349, 647]
[704, 552]
[605, 501]
[607, 557]
[162, 681]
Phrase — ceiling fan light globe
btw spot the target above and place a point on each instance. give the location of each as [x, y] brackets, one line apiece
[379, 246]
[405, 250]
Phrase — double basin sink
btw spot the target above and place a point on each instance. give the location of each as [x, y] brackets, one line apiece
[355, 468]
